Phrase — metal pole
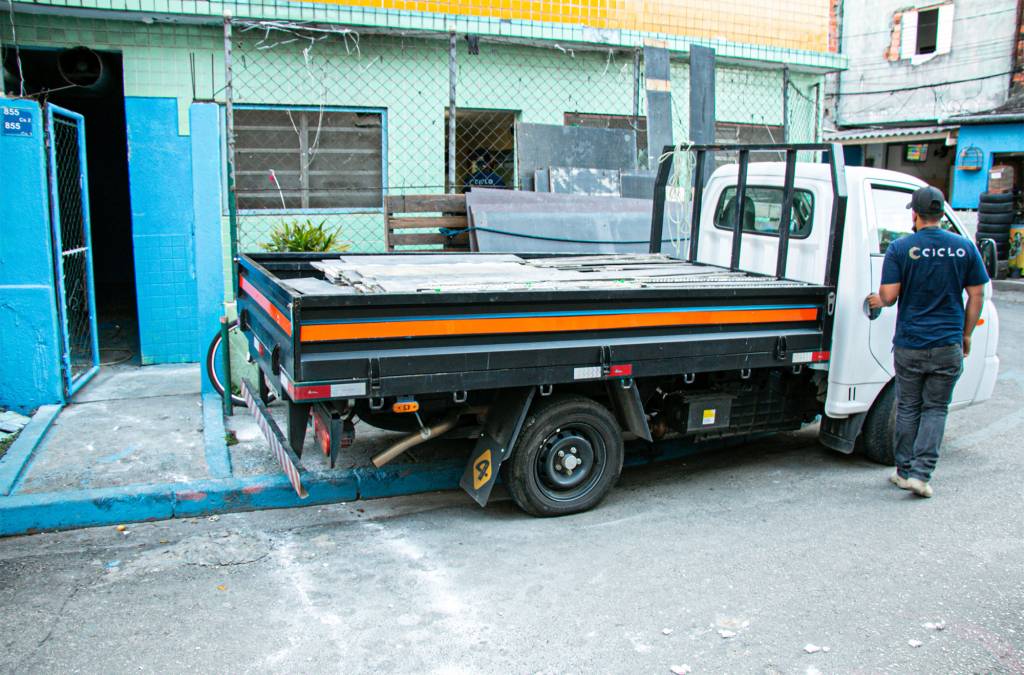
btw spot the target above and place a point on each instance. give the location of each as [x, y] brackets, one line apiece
[817, 113]
[230, 131]
[452, 77]
[225, 352]
[636, 93]
[785, 104]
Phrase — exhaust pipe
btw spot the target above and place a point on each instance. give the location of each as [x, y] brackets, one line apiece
[421, 436]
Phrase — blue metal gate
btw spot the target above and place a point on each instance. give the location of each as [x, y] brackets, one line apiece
[72, 245]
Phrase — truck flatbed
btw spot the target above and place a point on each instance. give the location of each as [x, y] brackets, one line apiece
[399, 325]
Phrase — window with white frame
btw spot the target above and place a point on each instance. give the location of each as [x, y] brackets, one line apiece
[308, 159]
[925, 32]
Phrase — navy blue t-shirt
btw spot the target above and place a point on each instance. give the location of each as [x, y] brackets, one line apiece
[933, 267]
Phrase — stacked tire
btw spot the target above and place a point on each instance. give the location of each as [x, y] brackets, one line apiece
[996, 212]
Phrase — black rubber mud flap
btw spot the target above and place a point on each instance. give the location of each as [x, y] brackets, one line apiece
[629, 408]
[841, 434]
[500, 432]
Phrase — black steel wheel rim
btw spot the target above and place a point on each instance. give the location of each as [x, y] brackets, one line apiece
[571, 461]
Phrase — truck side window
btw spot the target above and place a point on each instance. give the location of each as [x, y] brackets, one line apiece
[762, 210]
[892, 217]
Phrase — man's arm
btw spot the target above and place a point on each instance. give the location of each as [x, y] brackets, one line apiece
[975, 299]
[886, 296]
[892, 277]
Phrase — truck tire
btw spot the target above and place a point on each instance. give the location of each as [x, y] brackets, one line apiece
[989, 228]
[996, 218]
[995, 198]
[1004, 207]
[559, 428]
[876, 437]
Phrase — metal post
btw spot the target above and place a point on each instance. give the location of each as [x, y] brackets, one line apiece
[230, 131]
[741, 198]
[636, 94]
[817, 112]
[452, 77]
[225, 351]
[785, 104]
[658, 207]
[698, 202]
[786, 215]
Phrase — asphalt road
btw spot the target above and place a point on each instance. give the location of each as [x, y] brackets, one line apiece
[726, 563]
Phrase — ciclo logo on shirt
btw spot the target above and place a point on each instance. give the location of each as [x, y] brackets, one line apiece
[916, 252]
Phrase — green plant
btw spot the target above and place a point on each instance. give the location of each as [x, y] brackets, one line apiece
[304, 237]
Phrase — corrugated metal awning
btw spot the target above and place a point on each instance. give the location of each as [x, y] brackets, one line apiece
[891, 134]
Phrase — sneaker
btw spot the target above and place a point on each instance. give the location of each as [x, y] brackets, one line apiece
[919, 487]
[899, 481]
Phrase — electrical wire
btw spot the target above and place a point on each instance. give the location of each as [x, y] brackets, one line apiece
[959, 18]
[925, 86]
[452, 232]
[17, 52]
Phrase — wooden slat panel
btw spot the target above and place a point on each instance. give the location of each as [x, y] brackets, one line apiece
[426, 204]
[418, 239]
[455, 222]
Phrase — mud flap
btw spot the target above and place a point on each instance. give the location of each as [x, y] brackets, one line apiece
[495, 445]
[841, 434]
[629, 408]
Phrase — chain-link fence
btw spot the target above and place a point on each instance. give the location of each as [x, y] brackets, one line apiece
[327, 122]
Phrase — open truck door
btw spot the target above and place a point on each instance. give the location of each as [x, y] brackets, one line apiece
[888, 220]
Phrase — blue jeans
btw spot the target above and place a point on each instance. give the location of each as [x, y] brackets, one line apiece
[924, 385]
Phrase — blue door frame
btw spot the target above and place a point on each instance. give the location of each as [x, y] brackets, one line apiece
[72, 246]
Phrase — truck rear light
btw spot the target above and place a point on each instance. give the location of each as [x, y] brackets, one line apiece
[818, 357]
[621, 370]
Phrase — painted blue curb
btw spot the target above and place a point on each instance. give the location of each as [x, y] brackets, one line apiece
[218, 457]
[35, 512]
[17, 458]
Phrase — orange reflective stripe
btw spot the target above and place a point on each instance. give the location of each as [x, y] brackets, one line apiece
[279, 318]
[548, 324]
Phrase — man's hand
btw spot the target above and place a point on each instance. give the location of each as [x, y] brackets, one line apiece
[967, 345]
[875, 301]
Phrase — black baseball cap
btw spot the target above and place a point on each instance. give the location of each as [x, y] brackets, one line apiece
[927, 201]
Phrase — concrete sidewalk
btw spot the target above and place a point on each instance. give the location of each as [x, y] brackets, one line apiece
[143, 444]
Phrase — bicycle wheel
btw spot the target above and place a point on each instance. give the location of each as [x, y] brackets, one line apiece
[215, 368]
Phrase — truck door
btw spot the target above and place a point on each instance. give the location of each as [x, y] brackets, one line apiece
[889, 220]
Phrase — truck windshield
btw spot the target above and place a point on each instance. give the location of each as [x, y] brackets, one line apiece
[762, 210]
[892, 218]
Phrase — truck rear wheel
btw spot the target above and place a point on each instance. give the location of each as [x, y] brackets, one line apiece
[876, 437]
[567, 458]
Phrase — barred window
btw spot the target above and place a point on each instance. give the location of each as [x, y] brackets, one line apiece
[308, 159]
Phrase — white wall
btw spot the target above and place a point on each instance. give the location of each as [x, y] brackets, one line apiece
[981, 44]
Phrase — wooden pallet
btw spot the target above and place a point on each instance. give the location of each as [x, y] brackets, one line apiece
[412, 222]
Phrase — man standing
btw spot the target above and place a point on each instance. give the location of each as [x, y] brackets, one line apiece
[928, 272]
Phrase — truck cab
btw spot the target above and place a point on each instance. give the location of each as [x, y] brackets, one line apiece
[861, 365]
